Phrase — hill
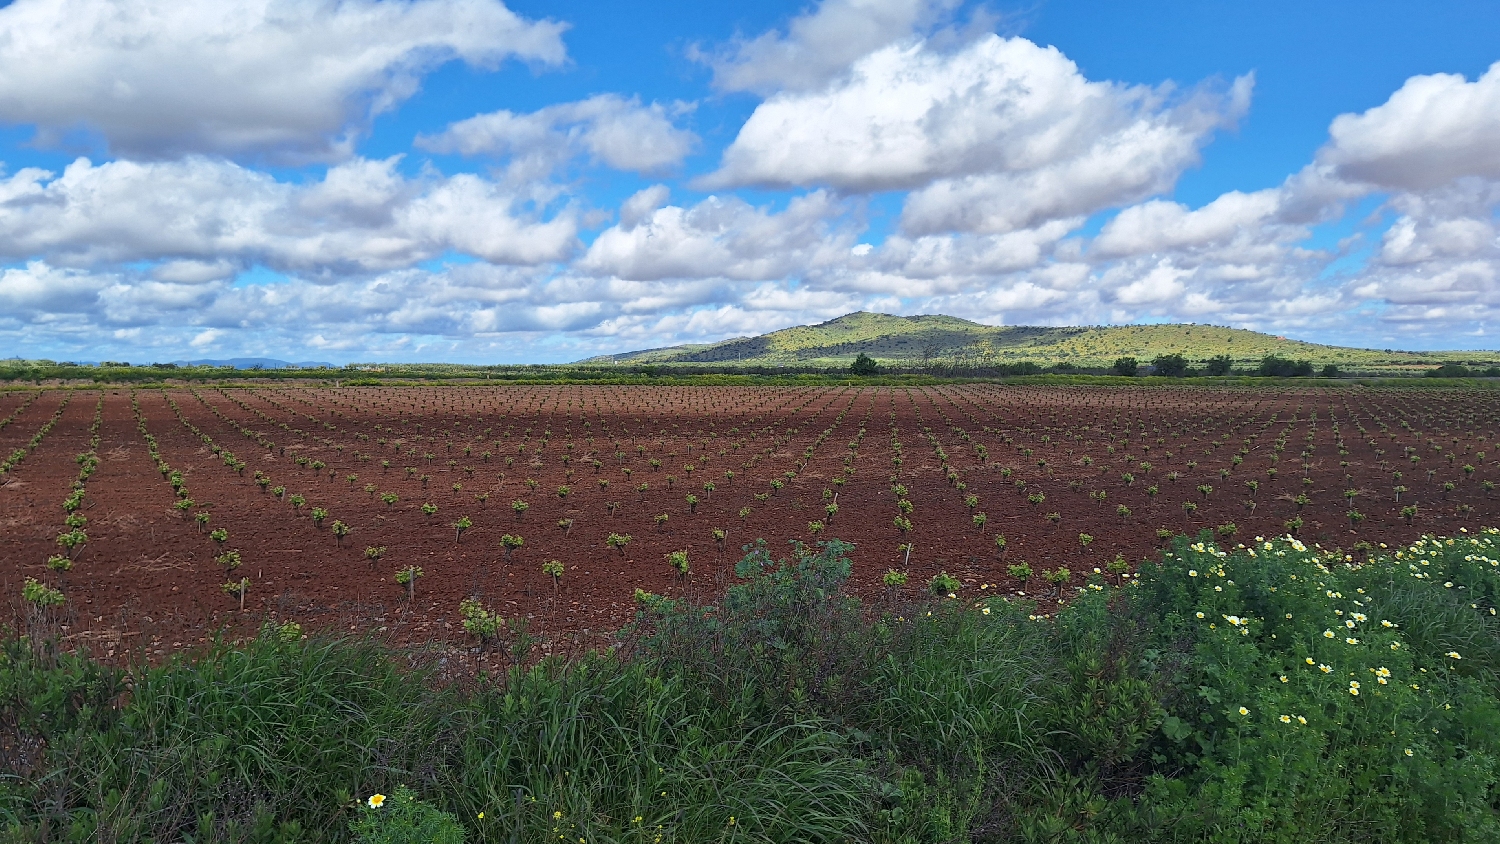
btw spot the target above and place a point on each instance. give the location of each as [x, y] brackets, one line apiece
[927, 340]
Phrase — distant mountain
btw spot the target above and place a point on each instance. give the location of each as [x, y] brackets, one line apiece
[253, 363]
[937, 339]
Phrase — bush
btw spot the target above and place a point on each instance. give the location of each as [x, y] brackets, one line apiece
[864, 365]
[1275, 692]
[1449, 370]
[1125, 366]
[1171, 366]
[1275, 366]
[1218, 365]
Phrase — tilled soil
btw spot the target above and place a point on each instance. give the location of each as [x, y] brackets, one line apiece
[147, 581]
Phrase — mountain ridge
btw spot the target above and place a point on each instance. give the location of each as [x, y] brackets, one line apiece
[929, 339]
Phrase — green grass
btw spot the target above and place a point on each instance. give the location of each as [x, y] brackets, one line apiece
[790, 711]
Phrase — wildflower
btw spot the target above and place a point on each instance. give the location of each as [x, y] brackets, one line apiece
[986, 611]
[1359, 617]
[731, 820]
[376, 801]
[1309, 660]
[1244, 711]
[1395, 646]
[1354, 687]
[557, 816]
[1349, 640]
[1284, 679]
[1327, 634]
[1192, 573]
[1288, 615]
[1415, 686]
[637, 819]
[1349, 624]
[1323, 668]
[1301, 720]
[481, 816]
[1454, 655]
[1286, 719]
[1200, 615]
[1408, 751]
[1385, 623]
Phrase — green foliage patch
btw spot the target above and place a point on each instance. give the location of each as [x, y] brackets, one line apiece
[1264, 692]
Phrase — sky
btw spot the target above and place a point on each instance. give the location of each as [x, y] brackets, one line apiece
[472, 181]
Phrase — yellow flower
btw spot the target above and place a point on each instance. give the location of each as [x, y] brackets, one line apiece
[376, 801]
[1244, 711]
[1408, 751]
[1286, 719]
[481, 815]
[1200, 615]
[1349, 624]
[731, 820]
[1284, 679]
[1454, 655]
[1351, 641]
[557, 816]
[1323, 668]
[1327, 634]
[1192, 573]
[1309, 660]
[1301, 720]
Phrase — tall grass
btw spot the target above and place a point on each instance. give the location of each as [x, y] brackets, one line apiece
[789, 711]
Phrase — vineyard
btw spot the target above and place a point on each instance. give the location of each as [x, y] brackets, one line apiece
[149, 519]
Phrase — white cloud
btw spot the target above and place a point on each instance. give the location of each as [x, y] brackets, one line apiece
[1160, 225]
[610, 129]
[720, 237]
[207, 215]
[159, 78]
[998, 135]
[819, 46]
[1434, 129]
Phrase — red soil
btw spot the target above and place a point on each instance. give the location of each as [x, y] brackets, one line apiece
[147, 581]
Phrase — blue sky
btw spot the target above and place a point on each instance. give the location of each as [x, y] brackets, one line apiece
[472, 181]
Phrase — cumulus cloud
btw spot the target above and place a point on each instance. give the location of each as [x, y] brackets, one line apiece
[610, 129]
[997, 135]
[206, 216]
[718, 237]
[159, 79]
[1433, 130]
[819, 45]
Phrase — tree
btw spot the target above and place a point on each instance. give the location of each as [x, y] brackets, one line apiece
[1449, 370]
[1275, 366]
[1171, 366]
[1219, 365]
[1330, 371]
[864, 365]
[1125, 367]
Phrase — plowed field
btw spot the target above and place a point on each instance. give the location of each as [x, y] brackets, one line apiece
[1041, 465]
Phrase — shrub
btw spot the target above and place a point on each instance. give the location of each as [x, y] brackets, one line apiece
[1171, 366]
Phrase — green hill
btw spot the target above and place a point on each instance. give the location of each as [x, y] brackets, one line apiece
[943, 340]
